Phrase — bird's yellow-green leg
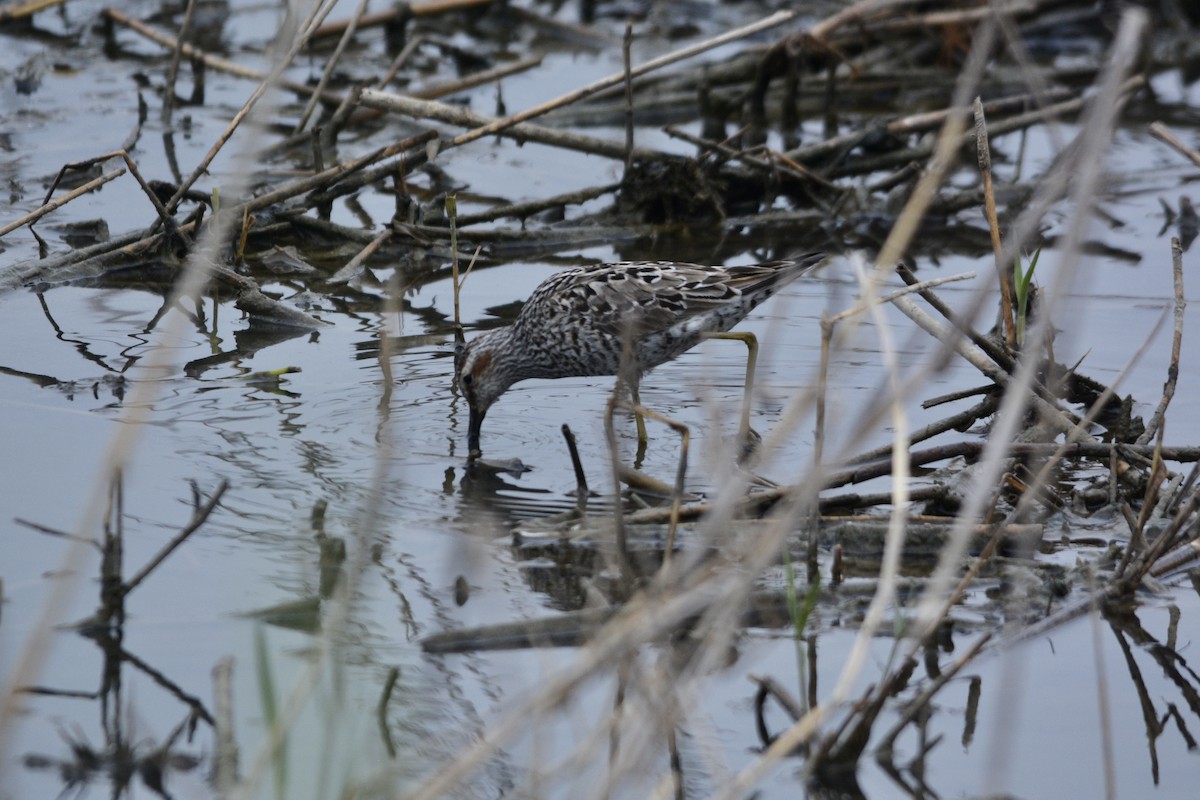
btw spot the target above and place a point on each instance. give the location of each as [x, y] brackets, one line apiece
[751, 343]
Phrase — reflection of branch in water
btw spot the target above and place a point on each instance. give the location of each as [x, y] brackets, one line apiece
[1149, 715]
[120, 760]
[1127, 625]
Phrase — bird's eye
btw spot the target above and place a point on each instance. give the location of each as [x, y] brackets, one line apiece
[468, 379]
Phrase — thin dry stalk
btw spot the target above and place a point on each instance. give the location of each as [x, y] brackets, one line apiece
[858, 15]
[451, 215]
[1165, 134]
[1108, 753]
[680, 472]
[1003, 273]
[581, 485]
[827, 328]
[465, 118]
[399, 61]
[354, 266]
[163, 215]
[168, 106]
[1093, 143]
[427, 9]
[320, 9]
[23, 10]
[523, 211]
[483, 76]
[940, 19]
[330, 65]
[626, 48]
[57, 203]
[772, 21]
[1156, 419]
[225, 752]
[901, 469]
[610, 436]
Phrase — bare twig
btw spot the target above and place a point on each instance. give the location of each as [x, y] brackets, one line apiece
[330, 65]
[185, 27]
[52, 205]
[28, 9]
[1003, 273]
[1165, 134]
[772, 21]
[465, 118]
[1156, 419]
[354, 266]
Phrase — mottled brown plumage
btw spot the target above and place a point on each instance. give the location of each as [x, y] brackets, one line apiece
[577, 321]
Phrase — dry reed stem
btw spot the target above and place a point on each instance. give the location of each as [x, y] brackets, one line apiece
[1003, 271]
[1092, 144]
[185, 27]
[620, 544]
[336, 609]
[811, 564]
[1156, 419]
[399, 61]
[774, 20]
[22, 10]
[1107, 759]
[354, 267]
[225, 750]
[528, 208]
[1177, 559]
[319, 10]
[958, 16]
[465, 118]
[330, 65]
[857, 16]
[427, 9]
[902, 232]
[456, 284]
[680, 471]
[581, 485]
[626, 49]
[53, 205]
[901, 470]
[474, 79]
[1165, 134]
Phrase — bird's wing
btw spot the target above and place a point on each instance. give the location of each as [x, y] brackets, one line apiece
[642, 297]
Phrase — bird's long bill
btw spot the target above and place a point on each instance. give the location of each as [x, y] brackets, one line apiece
[473, 426]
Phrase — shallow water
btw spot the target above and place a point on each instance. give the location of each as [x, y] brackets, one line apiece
[74, 354]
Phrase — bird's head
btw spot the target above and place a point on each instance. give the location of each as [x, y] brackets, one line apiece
[482, 379]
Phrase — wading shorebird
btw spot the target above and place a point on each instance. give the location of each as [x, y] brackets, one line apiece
[578, 323]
